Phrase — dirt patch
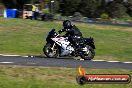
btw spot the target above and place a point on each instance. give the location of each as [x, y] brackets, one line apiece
[2, 29]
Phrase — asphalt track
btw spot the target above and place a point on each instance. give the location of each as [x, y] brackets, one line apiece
[61, 62]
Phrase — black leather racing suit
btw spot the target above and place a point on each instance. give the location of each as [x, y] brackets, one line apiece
[74, 35]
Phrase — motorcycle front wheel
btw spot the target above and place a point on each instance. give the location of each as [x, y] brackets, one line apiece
[49, 52]
[88, 56]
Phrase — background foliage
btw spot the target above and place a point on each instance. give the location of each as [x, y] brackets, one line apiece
[88, 8]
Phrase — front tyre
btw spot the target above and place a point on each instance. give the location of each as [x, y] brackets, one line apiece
[89, 54]
[49, 52]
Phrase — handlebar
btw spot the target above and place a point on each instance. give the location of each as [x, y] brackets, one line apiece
[57, 35]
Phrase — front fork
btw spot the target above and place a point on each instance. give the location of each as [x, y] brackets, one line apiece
[53, 46]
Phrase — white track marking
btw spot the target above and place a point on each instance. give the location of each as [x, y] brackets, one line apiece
[24, 56]
[6, 62]
[127, 62]
[82, 59]
[113, 61]
[13, 55]
[98, 60]
[8, 55]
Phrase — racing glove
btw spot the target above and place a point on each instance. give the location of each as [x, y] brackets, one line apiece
[60, 31]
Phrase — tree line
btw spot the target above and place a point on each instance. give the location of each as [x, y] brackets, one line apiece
[88, 8]
[17, 3]
[95, 8]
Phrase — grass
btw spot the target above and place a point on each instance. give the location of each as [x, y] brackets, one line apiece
[26, 37]
[31, 77]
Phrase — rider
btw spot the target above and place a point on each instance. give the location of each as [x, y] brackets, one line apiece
[72, 32]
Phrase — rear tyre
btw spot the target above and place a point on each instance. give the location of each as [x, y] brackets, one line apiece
[49, 52]
[90, 54]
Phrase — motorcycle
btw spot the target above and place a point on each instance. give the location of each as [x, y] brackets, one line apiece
[60, 46]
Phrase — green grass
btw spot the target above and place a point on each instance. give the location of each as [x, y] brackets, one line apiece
[31, 77]
[27, 37]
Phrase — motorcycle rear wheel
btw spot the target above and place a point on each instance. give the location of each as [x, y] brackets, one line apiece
[88, 56]
[49, 52]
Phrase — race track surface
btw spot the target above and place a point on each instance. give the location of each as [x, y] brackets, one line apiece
[61, 62]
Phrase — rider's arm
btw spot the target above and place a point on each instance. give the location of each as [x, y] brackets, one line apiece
[65, 30]
[62, 30]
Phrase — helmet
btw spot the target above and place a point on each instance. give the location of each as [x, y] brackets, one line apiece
[67, 24]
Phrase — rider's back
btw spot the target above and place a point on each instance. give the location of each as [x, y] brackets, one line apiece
[74, 31]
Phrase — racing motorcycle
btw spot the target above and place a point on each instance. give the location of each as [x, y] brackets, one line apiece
[59, 46]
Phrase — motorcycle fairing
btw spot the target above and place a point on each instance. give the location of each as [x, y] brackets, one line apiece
[66, 48]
